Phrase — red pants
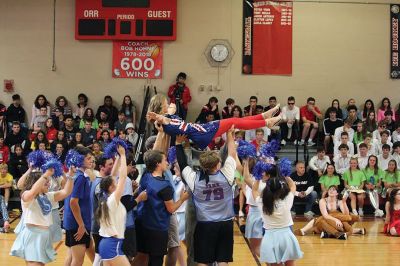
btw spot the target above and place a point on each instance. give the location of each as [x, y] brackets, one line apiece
[244, 123]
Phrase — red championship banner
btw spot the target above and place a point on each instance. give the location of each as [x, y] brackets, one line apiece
[267, 37]
[141, 60]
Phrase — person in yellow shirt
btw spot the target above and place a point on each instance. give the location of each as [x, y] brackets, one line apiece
[6, 180]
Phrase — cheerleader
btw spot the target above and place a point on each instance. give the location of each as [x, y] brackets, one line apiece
[34, 242]
[111, 215]
[203, 134]
[279, 245]
[392, 221]
[254, 223]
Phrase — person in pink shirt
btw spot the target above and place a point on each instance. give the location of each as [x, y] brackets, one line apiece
[385, 106]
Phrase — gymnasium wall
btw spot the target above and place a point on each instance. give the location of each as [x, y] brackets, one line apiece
[339, 51]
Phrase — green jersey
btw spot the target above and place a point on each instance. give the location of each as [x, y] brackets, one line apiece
[328, 181]
[391, 178]
[372, 177]
[355, 178]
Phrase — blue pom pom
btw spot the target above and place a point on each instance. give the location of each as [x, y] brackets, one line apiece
[172, 155]
[260, 168]
[246, 150]
[73, 158]
[56, 165]
[285, 167]
[270, 149]
[36, 158]
[111, 149]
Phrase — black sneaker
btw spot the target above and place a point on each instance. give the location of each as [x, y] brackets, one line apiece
[342, 236]
[324, 235]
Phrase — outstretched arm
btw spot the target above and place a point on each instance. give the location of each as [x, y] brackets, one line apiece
[162, 140]
[21, 181]
[230, 142]
[246, 174]
[292, 185]
[122, 174]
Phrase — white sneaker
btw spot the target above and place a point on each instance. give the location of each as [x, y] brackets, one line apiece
[360, 212]
[379, 213]
[301, 142]
[295, 142]
[310, 143]
[309, 214]
[354, 212]
[283, 142]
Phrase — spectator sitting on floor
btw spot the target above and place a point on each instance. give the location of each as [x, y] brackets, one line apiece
[305, 189]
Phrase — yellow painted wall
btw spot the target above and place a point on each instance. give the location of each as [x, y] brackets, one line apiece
[339, 51]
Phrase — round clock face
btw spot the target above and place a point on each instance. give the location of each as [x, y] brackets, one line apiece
[219, 52]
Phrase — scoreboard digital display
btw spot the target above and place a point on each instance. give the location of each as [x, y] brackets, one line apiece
[125, 20]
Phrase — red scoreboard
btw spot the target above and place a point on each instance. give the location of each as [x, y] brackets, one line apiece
[125, 20]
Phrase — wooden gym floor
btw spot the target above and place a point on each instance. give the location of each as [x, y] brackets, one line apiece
[374, 248]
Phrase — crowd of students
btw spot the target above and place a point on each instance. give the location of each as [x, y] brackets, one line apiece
[113, 219]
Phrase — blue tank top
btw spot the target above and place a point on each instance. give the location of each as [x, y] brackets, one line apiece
[155, 215]
[201, 134]
[213, 201]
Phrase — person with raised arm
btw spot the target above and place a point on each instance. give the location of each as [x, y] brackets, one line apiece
[213, 197]
[34, 240]
[111, 215]
[275, 202]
